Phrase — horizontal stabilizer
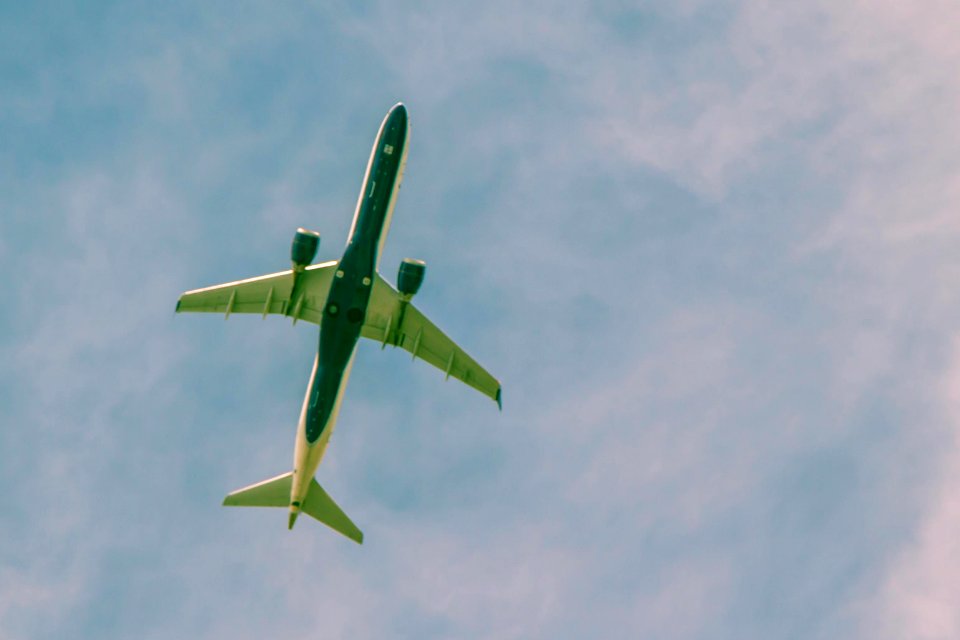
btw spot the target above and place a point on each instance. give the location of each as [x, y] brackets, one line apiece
[274, 492]
[322, 507]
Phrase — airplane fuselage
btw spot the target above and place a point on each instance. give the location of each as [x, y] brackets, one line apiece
[346, 304]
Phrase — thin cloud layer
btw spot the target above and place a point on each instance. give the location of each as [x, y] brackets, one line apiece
[709, 251]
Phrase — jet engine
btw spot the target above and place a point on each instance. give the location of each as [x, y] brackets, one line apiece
[304, 248]
[411, 276]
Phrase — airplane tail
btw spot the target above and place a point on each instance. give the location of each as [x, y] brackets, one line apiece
[275, 492]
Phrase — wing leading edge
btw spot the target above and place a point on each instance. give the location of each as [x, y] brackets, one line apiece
[391, 320]
[268, 294]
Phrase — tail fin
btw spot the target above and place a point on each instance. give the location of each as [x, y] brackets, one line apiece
[275, 492]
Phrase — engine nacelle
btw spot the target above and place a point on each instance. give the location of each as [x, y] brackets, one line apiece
[304, 248]
[411, 276]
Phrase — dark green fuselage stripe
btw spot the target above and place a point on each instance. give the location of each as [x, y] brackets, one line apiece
[346, 305]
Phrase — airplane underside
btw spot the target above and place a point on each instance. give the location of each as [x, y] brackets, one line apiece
[349, 300]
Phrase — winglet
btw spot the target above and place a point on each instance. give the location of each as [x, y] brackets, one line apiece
[500, 398]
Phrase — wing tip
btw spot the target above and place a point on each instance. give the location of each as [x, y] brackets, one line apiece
[499, 398]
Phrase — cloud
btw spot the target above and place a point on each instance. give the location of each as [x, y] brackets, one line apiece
[88, 310]
[917, 595]
[709, 250]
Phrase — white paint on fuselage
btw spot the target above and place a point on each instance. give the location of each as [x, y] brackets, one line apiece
[393, 195]
[365, 189]
[306, 456]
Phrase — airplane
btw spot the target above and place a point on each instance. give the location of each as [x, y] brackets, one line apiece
[349, 300]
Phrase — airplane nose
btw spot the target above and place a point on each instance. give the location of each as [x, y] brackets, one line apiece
[398, 114]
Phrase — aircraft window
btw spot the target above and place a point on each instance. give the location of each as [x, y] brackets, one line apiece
[388, 149]
[333, 309]
[354, 315]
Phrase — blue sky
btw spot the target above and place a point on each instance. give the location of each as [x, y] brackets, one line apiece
[710, 249]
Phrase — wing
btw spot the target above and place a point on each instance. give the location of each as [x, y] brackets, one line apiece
[391, 320]
[266, 294]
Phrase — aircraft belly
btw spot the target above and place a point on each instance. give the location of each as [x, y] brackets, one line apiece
[307, 455]
[347, 301]
[380, 184]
